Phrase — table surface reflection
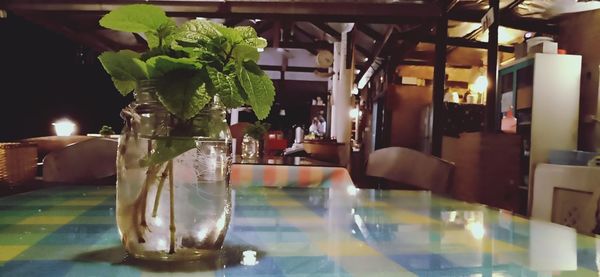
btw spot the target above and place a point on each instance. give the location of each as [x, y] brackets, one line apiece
[337, 231]
[283, 160]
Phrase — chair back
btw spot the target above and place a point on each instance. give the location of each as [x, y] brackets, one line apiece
[82, 161]
[237, 132]
[411, 167]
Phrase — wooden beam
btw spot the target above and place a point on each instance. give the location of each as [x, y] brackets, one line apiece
[508, 20]
[365, 29]
[292, 68]
[305, 33]
[439, 79]
[408, 11]
[378, 48]
[328, 30]
[305, 45]
[469, 43]
[263, 26]
[492, 70]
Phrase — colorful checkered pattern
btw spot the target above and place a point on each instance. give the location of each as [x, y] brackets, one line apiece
[335, 231]
[243, 175]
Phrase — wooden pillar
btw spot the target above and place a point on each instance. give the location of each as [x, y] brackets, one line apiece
[492, 70]
[439, 81]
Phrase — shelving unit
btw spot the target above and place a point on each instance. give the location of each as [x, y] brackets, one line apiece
[544, 92]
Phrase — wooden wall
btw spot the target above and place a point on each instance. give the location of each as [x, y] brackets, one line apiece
[580, 34]
[408, 105]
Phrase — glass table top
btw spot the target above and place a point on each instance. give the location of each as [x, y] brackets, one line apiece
[336, 231]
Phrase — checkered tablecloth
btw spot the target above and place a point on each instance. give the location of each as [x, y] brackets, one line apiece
[243, 175]
[335, 231]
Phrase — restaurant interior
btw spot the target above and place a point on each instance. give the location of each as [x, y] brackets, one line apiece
[404, 138]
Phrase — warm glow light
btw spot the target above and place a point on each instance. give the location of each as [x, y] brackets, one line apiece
[354, 113]
[64, 127]
[480, 84]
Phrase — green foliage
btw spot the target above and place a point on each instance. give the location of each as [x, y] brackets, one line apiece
[257, 130]
[106, 131]
[191, 62]
[183, 93]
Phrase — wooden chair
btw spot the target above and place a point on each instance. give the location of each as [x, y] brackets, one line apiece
[405, 166]
[237, 132]
[49, 144]
[84, 161]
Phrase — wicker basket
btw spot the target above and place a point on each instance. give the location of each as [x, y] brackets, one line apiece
[18, 162]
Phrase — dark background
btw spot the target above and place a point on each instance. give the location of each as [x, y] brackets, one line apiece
[46, 77]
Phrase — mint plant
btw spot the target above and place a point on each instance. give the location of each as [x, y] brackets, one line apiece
[192, 62]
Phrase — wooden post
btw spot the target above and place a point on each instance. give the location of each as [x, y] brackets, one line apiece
[439, 80]
[492, 70]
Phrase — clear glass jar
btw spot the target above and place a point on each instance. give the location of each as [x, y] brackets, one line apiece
[250, 148]
[173, 195]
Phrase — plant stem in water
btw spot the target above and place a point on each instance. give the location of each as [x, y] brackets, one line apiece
[172, 208]
[139, 206]
[161, 184]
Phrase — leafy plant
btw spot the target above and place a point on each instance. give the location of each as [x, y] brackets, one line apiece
[192, 62]
[257, 130]
[106, 131]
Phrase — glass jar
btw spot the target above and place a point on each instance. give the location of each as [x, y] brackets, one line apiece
[173, 195]
[250, 148]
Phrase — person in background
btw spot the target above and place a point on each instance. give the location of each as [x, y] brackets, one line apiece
[322, 127]
[314, 127]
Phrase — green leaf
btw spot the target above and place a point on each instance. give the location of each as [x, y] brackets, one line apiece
[167, 149]
[137, 18]
[124, 67]
[243, 53]
[161, 65]
[225, 88]
[197, 30]
[250, 38]
[124, 87]
[258, 87]
[246, 32]
[183, 93]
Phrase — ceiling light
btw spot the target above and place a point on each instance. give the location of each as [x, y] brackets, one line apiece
[356, 71]
[366, 59]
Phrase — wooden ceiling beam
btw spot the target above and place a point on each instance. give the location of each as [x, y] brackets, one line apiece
[328, 30]
[365, 29]
[378, 48]
[508, 20]
[330, 11]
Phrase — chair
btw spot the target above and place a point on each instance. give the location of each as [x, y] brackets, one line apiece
[84, 161]
[411, 167]
[49, 144]
[237, 132]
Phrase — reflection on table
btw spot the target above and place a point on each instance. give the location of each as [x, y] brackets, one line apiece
[335, 231]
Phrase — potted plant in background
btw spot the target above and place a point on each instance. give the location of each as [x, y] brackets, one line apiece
[254, 140]
[106, 131]
[173, 195]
